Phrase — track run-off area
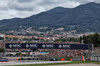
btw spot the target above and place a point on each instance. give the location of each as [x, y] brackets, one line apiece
[30, 62]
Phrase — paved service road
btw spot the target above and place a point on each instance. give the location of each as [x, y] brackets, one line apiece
[78, 65]
[34, 62]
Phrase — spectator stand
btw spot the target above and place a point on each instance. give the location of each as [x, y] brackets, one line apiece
[55, 50]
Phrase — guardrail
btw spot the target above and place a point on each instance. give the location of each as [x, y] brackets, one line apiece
[95, 58]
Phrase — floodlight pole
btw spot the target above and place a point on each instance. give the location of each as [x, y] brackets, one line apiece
[92, 49]
[5, 50]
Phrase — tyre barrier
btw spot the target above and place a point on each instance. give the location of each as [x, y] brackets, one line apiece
[95, 58]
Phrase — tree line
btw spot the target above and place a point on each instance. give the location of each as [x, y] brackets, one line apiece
[67, 40]
[91, 39]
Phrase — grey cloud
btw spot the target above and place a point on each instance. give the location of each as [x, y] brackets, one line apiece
[25, 8]
[25, 0]
[3, 5]
[48, 2]
[98, 1]
[21, 6]
[30, 5]
[3, 8]
[86, 1]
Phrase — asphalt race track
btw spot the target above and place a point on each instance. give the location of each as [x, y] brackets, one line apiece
[34, 62]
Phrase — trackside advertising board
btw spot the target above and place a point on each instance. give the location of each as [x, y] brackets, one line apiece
[47, 46]
[3, 60]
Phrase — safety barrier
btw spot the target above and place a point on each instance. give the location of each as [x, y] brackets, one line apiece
[95, 58]
[78, 58]
[19, 56]
[49, 59]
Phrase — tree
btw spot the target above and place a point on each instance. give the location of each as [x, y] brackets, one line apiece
[73, 39]
[92, 39]
[1, 50]
[84, 39]
[1, 38]
[88, 39]
[95, 39]
[57, 40]
[63, 40]
[27, 39]
[80, 40]
[99, 41]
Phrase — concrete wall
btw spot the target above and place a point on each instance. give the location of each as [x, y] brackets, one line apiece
[95, 58]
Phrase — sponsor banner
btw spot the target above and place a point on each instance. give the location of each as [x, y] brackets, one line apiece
[47, 46]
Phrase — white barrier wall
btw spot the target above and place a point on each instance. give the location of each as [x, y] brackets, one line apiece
[95, 58]
[91, 58]
[99, 58]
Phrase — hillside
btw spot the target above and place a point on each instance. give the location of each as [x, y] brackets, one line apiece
[7, 23]
[84, 18]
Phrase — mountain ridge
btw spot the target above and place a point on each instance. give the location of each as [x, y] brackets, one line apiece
[84, 18]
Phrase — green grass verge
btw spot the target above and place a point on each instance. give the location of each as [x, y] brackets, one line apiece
[73, 62]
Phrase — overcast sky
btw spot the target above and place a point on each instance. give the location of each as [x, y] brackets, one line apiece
[26, 8]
